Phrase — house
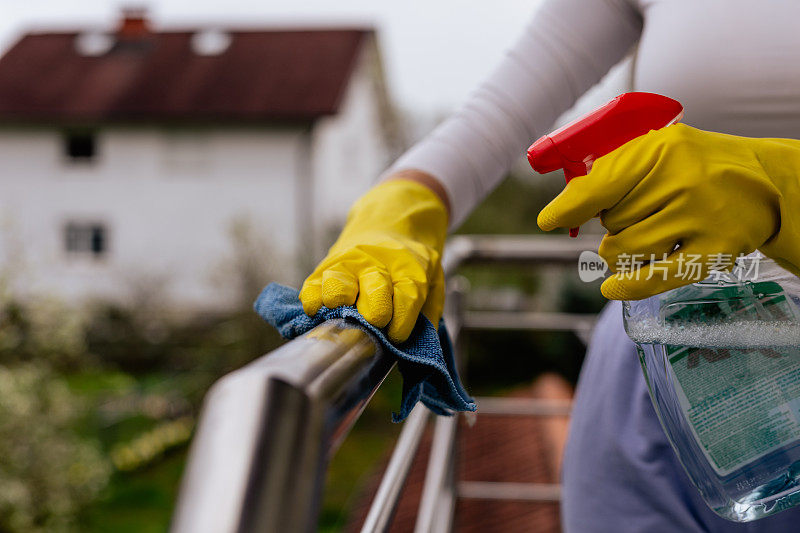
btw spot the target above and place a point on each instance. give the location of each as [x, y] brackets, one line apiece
[168, 163]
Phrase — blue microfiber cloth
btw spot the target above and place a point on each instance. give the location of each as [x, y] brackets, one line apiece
[425, 360]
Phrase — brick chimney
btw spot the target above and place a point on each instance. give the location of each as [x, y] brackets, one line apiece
[133, 25]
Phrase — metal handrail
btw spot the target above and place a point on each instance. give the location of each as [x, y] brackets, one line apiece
[520, 249]
[267, 430]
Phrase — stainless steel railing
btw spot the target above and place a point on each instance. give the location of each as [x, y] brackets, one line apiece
[257, 462]
[267, 430]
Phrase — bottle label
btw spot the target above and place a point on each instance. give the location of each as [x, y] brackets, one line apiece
[741, 404]
[741, 401]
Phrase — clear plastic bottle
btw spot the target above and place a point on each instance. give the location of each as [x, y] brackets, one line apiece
[722, 363]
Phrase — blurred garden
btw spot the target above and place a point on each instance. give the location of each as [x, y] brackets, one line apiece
[97, 405]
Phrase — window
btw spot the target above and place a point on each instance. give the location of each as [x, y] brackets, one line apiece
[80, 146]
[86, 239]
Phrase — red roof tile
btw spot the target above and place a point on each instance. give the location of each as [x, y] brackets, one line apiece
[521, 449]
[261, 76]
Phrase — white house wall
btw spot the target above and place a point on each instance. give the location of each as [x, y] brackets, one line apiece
[169, 200]
[350, 150]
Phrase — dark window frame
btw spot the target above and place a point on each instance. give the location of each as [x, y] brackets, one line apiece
[79, 146]
[86, 239]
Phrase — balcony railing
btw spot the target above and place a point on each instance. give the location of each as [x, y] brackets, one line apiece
[267, 431]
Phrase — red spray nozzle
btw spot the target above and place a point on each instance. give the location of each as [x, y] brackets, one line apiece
[574, 147]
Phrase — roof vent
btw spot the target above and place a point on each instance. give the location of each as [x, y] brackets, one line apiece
[210, 42]
[93, 43]
[134, 24]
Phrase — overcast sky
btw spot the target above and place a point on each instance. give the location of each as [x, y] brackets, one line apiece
[435, 51]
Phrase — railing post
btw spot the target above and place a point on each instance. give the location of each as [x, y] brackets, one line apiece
[438, 500]
[386, 499]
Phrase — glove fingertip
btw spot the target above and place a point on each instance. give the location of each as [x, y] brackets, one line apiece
[614, 288]
[311, 308]
[377, 313]
[399, 329]
[339, 287]
[547, 219]
[375, 297]
[617, 288]
[311, 298]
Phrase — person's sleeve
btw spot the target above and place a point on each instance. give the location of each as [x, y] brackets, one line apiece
[567, 47]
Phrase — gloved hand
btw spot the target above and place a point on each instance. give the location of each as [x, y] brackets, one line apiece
[680, 190]
[387, 259]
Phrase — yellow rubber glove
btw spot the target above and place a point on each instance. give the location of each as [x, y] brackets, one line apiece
[680, 190]
[387, 259]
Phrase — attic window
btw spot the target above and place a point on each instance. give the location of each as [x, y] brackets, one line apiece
[80, 146]
[93, 44]
[210, 42]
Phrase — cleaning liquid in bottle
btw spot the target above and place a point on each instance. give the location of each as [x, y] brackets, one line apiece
[722, 364]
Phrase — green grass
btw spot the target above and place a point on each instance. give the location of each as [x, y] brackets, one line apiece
[93, 383]
[137, 502]
[140, 501]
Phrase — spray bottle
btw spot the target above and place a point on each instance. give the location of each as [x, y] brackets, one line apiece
[721, 357]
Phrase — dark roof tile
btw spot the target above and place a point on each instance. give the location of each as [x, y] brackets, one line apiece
[284, 75]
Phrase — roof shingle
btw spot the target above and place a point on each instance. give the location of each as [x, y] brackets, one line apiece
[262, 76]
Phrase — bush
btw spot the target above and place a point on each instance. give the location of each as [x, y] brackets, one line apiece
[47, 472]
[43, 329]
